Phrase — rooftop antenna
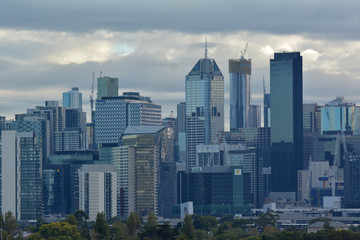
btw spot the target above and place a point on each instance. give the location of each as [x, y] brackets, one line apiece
[205, 47]
[244, 51]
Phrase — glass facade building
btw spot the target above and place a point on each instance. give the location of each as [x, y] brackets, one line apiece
[204, 107]
[286, 79]
[73, 99]
[340, 115]
[107, 87]
[240, 92]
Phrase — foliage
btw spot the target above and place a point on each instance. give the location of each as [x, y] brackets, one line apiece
[56, 231]
[151, 220]
[267, 219]
[119, 231]
[101, 227]
[133, 223]
[188, 228]
[205, 222]
[71, 219]
[8, 225]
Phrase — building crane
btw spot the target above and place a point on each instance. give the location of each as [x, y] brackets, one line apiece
[92, 99]
[244, 51]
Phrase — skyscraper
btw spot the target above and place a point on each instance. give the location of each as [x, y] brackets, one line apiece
[73, 98]
[107, 87]
[240, 92]
[204, 106]
[286, 120]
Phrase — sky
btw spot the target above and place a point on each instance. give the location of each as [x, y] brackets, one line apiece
[48, 47]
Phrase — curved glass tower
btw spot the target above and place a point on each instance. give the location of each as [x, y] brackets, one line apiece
[240, 92]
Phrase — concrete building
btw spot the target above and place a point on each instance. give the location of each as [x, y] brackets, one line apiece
[97, 190]
[204, 106]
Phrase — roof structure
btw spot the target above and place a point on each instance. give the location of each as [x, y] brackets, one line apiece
[132, 130]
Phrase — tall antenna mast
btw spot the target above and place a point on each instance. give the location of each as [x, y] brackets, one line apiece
[205, 47]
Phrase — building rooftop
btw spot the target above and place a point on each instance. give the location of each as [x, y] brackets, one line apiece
[340, 101]
[131, 130]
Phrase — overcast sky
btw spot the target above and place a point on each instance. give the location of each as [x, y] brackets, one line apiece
[47, 47]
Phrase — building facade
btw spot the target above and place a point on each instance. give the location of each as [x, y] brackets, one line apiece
[240, 92]
[107, 87]
[204, 106]
[73, 98]
[286, 120]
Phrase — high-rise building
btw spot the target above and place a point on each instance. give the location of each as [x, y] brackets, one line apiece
[73, 98]
[340, 115]
[240, 92]
[255, 116]
[181, 133]
[21, 178]
[152, 147]
[204, 106]
[97, 190]
[107, 87]
[286, 120]
[114, 114]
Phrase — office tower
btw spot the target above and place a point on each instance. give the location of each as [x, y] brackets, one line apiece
[254, 116]
[61, 181]
[311, 118]
[286, 120]
[351, 180]
[240, 92]
[219, 190]
[204, 106]
[97, 190]
[340, 115]
[73, 98]
[181, 133]
[114, 114]
[153, 147]
[258, 138]
[107, 87]
[21, 187]
[267, 103]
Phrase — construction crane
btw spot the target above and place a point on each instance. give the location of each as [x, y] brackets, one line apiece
[244, 51]
[92, 99]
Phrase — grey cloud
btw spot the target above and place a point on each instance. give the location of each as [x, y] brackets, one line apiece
[323, 18]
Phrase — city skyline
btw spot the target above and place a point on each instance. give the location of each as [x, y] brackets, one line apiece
[41, 59]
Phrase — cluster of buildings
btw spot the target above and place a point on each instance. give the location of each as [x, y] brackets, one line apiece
[129, 159]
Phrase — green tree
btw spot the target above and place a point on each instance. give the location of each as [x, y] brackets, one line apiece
[56, 231]
[101, 226]
[71, 219]
[8, 225]
[188, 228]
[267, 219]
[81, 217]
[133, 224]
[151, 220]
[205, 222]
[118, 231]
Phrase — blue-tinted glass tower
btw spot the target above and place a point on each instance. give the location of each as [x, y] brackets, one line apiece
[286, 120]
[204, 106]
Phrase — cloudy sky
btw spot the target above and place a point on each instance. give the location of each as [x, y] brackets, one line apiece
[47, 47]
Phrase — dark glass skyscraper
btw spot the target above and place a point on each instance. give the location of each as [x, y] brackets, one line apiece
[204, 106]
[240, 92]
[286, 120]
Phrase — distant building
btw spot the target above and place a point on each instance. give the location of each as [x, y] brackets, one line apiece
[252, 137]
[311, 118]
[180, 148]
[286, 77]
[114, 114]
[340, 115]
[97, 190]
[107, 87]
[204, 106]
[73, 99]
[255, 116]
[351, 180]
[240, 92]
[267, 107]
[153, 147]
[21, 186]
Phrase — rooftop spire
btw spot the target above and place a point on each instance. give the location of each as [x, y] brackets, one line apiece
[205, 47]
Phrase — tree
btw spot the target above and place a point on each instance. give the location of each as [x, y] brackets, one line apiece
[151, 220]
[71, 219]
[8, 225]
[56, 231]
[205, 222]
[267, 219]
[188, 228]
[118, 231]
[133, 223]
[101, 226]
[81, 217]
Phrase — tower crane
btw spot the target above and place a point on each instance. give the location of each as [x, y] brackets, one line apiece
[244, 51]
